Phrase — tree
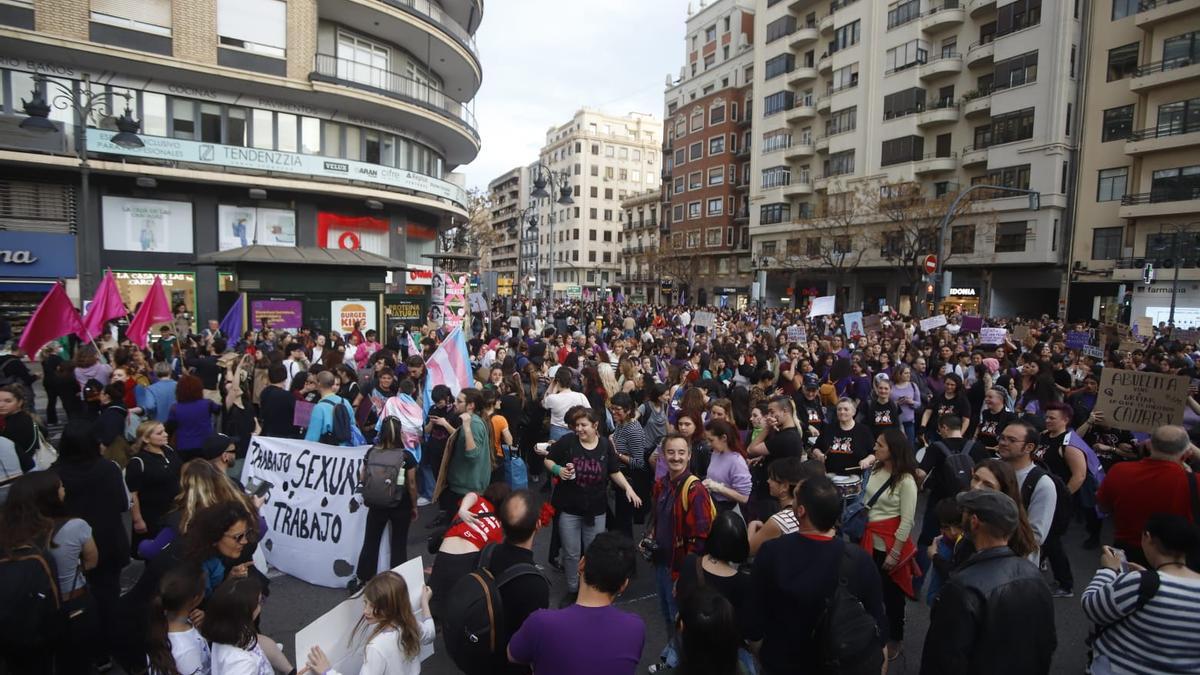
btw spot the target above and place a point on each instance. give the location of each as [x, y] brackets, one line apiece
[680, 265]
[476, 236]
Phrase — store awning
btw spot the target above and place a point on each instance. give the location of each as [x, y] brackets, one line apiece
[299, 255]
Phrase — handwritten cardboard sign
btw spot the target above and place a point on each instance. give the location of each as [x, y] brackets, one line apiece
[1187, 336]
[933, 322]
[797, 334]
[1136, 400]
[1020, 333]
[1094, 352]
[872, 323]
[992, 336]
[1143, 326]
[822, 306]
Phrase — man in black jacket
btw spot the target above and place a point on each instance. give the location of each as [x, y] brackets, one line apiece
[971, 627]
[526, 593]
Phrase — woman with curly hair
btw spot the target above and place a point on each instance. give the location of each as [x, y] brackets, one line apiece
[191, 418]
[201, 485]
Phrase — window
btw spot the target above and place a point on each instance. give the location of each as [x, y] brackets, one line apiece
[695, 151]
[781, 28]
[844, 78]
[812, 247]
[693, 210]
[677, 213]
[697, 121]
[695, 180]
[840, 163]
[710, 33]
[716, 115]
[151, 16]
[1016, 71]
[693, 238]
[1179, 117]
[903, 103]
[610, 151]
[1111, 184]
[712, 237]
[776, 176]
[1175, 184]
[679, 185]
[846, 36]
[594, 192]
[842, 121]
[1010, 237]
[904, 149]
[1009, 176]
[1120, 10]
[255, 25]
[1013, 126]
[962, 239]
[593, 213]
[183, 122]
[591, 256]
[1017, 16]
[1181, 50]
[716, 176]
[906, 55]
[903, 12]
[591, 235]
[784, 63]
[608, 193]
[1118, 123]
[715, 206]
[773, 214]
[680, 158]
[1106, 242]
[776, 140]
[778, 102]
[608, 214]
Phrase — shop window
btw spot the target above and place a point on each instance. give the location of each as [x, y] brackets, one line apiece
[235, 129]
[210, 123]
[288, 133]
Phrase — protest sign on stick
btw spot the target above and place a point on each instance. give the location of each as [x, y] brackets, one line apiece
[822, 306]
[933, 322]
[1137, 400]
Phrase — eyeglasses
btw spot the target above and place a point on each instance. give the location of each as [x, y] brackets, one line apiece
[1010, 439]
[241, 537]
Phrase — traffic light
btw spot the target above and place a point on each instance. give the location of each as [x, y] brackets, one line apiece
[1148, 273]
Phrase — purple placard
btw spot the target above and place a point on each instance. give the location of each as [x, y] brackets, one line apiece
[1076, 339]
[302, 413]
[283, 314]
[971, 324]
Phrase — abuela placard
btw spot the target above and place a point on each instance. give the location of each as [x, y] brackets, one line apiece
[1136, 400]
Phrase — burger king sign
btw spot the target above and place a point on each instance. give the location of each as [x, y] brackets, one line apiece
[346, 313]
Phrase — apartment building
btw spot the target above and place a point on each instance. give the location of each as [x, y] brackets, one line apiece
[509, 195]
[605, 158]
[706, 152]
[290, 153]
[919, 100]
[640, 276]
[1139, 179]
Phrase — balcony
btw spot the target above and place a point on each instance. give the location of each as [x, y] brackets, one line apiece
[943, 17]
[937, 113]
[800, 187]
[432, 113]
[801, 75]
[821, 183]
[1163, 137]
[979, 54]
[977, 103]
[825, 64]
[741, 216]
[1163, 73]
[940, 66]
[973, 156]
[977, 8]
[801, 111]
[803, 36]
[1153, 12]
[799, 151]
[1174, 201]
[821, 144]
[935, 164]
[825, 25]
[824, 103]
[747, 118]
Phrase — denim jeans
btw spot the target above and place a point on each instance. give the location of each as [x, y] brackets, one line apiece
[426, 481]
[576, 536]
[557, 432]
[666, 604]
[910, 430]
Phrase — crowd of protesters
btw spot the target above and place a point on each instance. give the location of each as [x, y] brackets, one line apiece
[790, 484]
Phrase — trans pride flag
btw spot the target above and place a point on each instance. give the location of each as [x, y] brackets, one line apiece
[449, 365]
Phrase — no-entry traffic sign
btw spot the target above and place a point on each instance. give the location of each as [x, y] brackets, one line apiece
[930, 263]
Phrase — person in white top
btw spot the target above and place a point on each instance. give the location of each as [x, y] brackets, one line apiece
[396, 636]
[559, 399]
[237, 648]
[174, 643]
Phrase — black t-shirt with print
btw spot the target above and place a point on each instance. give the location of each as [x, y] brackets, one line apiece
[943, 406]
[587, 493]
[879, 416]
[987, 432]
[843, 448]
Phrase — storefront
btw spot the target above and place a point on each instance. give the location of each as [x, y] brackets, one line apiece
[134, 286]
[962, 300]
[404, 310]
[29, 263]
[735, 297]
[1154, 301]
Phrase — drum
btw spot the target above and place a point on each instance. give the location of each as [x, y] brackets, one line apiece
[848, 486]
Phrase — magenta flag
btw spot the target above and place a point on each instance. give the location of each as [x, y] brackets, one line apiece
[54, 317]
[106, 306]
[154, 310]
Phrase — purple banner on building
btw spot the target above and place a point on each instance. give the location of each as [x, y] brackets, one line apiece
[281, 314]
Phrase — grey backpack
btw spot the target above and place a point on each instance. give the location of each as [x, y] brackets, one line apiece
[383, 486]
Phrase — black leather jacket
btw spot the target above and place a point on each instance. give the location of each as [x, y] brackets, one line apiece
[994, 615]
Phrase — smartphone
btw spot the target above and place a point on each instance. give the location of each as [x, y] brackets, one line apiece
[1121, 557]
[258, 488]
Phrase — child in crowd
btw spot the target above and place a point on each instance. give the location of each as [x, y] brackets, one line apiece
[941, 551]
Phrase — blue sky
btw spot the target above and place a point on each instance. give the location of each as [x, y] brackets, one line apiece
[545, 59]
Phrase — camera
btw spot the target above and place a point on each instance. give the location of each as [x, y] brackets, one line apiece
[648, 547]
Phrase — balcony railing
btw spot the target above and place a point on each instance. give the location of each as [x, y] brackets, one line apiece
[435, 14]
[1174, 194]
[1147, 5]
[1164, 130]
[1169, 64]
[395, 85]
[1138, 262]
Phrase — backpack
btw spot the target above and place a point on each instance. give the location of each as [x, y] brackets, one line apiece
[687, 490]
[383, 485]
[957, 468]
[473, 622]
[846, 637]
[31, 616]
[339, 429]
[1062, 501]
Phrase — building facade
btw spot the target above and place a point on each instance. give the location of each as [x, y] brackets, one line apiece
[308, 125]
[605, 158]
[706, 151]
[1139, 179]
[509, 195]
[916, 100]
[640, 277]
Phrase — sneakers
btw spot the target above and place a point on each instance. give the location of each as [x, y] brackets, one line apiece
[1062, 593]
[421, 501]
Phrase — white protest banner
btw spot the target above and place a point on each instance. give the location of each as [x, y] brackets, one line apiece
[992, 336]
[822, 306]
[334, 632]
[479, 303]
[1137, 400]
[1092, 351]
[315, 520]
[797, 334]
[933, 322]
[706, 319]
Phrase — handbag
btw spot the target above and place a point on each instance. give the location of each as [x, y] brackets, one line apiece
[854, 518]
[44, 454]
[516, 473]
[132, 422]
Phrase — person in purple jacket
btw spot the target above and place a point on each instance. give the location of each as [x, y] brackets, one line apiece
[191, 417]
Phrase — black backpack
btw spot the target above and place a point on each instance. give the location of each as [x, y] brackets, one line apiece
[957, 468]
[473, 624]
[30, 616]
[339, 429]
[383, 486]
[846, 637]
[1062, 501]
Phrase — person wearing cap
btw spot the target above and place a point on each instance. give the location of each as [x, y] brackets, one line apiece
[809, 407]
[220, 451]
[971, 625]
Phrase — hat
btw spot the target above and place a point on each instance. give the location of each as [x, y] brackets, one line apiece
[215, 445]
[993, 365]
[992, 507]
[811, 381]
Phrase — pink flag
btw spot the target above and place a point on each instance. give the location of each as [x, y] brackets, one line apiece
[154, 310]
[106, 306]
[54, 317]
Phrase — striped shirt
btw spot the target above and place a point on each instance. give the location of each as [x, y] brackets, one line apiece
[630, 439]
[786, 521]
[1159, 638]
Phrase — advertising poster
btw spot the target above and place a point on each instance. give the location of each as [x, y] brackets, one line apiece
[179, 286]
[346, 312]
[437, 300]
[240, 226]
[1137, 400]
[281, 314]
[146, 225]
[399, 313]
[455, 306]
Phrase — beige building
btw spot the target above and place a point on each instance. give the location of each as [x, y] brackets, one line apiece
[890, 100]
[606, 158]
[640, 277]
[509, 194]
[1139, 179]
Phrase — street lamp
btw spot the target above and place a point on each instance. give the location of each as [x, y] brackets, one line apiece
[525, 227]
[83, 104]
[559, 183]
